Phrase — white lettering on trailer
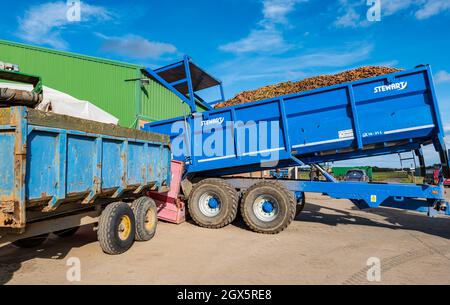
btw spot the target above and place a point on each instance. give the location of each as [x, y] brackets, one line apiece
[396, 86]
[218, 121]
[372, 134]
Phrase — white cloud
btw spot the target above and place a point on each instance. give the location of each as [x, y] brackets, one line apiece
[264, 40]
[432, 7]
[442, 77]
[447, 134]
[272, 69]
[42, 24]
[391, 7]
[423, 9]
[447, 128]
[350, 19]
[353, 13]
[276, 11]
[136, 47]
[268, 36]
[388, 63]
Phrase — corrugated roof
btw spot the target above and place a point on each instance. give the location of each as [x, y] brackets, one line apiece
[70, 54]
[199, 78]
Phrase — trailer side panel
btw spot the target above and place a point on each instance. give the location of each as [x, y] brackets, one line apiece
[46, 165]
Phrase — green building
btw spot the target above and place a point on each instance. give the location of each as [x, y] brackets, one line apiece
[100, 81]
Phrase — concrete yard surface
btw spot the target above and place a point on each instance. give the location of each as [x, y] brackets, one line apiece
[330, 243]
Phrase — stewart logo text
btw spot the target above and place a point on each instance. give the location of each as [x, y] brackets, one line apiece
[212, 122]
[396, 86]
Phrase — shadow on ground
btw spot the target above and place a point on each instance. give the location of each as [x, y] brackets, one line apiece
[392, 219]
[12, 258]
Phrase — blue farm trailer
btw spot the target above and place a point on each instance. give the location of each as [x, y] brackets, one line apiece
[385, 115]
[59, 173]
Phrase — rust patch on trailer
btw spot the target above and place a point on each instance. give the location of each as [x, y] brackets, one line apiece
[123, 157]
[7, 209]
[143, 176]
[18, 219]
[97, 184]
[8, 214]
[150, 172]
[5, 116]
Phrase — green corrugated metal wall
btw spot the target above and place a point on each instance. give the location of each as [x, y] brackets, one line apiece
[99, 81]
[156, 106]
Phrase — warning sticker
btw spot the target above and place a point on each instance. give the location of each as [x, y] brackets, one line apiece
[373, 199]
[343, 134]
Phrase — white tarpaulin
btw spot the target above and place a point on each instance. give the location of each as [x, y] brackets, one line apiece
[62, 103]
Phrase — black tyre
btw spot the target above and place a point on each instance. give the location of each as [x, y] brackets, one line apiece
[213, 203]
[116, 228]
[146, 218]
[301, 202]
[31, 242]
[268, 207]
[67, 232]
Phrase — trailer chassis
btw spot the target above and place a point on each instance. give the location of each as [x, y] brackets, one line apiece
[421, 198]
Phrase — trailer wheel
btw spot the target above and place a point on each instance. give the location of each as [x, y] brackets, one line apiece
[67, 232]
[268, 207]
[116, 228]
[146, 218]
[31, 242]
[213, 203]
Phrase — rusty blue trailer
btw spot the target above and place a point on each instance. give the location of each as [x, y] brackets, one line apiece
[53, 166]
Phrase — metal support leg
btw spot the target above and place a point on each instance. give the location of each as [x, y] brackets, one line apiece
[423, 169]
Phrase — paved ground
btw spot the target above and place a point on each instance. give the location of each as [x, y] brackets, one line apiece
[329, 243]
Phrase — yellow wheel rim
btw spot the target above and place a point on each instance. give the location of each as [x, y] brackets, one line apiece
[124, 229]
[150, 220]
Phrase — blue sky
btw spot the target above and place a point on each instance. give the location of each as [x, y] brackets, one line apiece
[247, 43]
